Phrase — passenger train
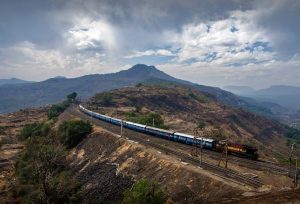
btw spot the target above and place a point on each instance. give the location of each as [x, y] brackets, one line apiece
[209, 144]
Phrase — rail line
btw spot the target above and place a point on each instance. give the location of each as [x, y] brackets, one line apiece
[257, 165]
[220, 171]
[261, 165]
[216, 169]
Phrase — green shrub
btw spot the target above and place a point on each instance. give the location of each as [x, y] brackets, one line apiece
[2, 130]
[199, 98]
[43, 175]
[106, 99]
[150, 118]
[139, 85]
[144, 192]
[137, 109]
[147, 119]
[201, 124]
[72, 132]
[5, 140]
[130, 114]
[34, 129]
[71, 97]
[57, 109]
[293, 133]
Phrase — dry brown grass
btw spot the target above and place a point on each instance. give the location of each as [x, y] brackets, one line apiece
[182, 107]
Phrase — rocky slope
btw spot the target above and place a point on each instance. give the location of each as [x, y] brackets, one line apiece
[183, 107]
[106, 164]
[10, 148]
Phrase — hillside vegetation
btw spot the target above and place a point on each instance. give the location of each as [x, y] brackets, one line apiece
[183, 108]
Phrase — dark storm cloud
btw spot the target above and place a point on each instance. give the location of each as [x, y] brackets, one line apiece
[42, 21]
[29, 21]
[281, 19]
[238, 39]
[162, 14]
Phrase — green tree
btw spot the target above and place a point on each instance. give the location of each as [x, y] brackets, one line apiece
[34, 129]
[293, 133]
[57, 109]
[5, 140]
[144, 192]
[201, 124]
[106, 99]
[199, 98]
[2, 130]
[147, 119]
[152, 117]
[138, 108]
[72, 132]
[43, 175]
[71, 97]
[139, 85]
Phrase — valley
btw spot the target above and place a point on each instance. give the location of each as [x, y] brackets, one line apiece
[105, 158]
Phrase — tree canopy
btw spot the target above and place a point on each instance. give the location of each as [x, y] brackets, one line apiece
[144, 192]
[72, 132]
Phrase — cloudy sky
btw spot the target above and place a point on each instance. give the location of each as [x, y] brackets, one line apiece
[212, 42]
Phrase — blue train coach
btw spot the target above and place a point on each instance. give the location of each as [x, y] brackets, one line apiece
[159, 132]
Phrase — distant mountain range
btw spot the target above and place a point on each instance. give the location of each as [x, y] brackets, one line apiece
[239, 90]
[18, 96]
[12, 81]
[286, 96]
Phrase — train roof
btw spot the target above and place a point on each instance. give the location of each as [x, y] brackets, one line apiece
[140, 125]
[184, 135]
[205, 139]
[150, 127]
[193, 137]
[161, 130]
[117, 119]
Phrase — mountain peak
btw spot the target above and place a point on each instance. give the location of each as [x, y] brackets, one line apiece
[144, 72]
[144, 68]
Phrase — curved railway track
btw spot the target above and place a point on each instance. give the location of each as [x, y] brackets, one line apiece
[251, 164]
[220, 171]
[143, 139]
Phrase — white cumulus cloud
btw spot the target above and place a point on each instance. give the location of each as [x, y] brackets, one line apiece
[159, 52]
[91, 33]
[236, 40]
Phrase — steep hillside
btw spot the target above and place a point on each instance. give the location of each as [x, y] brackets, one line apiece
[17, 96]
[182, 108]
[280, 102]
[10, 147]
